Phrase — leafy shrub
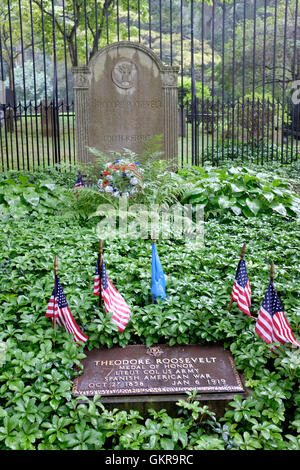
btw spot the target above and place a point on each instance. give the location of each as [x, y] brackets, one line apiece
[24, 198]
[185, 91]
[62, 174]
[257, 114]
[240, 191]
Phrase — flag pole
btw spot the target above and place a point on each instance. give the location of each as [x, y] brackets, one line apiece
[100, 270]
[242, 255]
[154, 241]
[55, 300]
[272, 271]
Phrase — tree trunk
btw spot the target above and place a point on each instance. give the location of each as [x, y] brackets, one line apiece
[72, 52]
[99, 30]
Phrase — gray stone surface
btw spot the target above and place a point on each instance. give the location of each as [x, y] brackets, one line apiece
[125, 96]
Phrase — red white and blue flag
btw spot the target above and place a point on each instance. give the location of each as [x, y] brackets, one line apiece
[241, 291]
[58, 308]
[79, 183]
[271, 324]
[113, 300]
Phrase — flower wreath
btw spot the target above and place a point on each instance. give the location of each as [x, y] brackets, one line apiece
[121, 178]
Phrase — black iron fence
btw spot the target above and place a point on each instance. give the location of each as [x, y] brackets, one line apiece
[238, 85]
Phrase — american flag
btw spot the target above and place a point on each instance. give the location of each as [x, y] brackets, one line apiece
[241, 291]
[271, 324]
[113, 300]
[79, 183]
[58, 308]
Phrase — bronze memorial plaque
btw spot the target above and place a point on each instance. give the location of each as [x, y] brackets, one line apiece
[161, 369]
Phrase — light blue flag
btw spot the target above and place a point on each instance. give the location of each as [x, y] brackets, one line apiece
[158, 278]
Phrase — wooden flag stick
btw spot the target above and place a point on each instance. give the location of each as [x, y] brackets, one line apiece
[272, 271]
[154, 241]
[100, 270]
[243, 251]
[55, 274]
[230, 304]
[242, 255]
[154, 237]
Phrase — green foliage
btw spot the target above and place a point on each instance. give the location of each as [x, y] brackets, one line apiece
[223, 191]
[257, 116]
[24, 198]
[206, 432]
[37, 409]
[93, 30]
[160, 185]
[272, 156]
[248, 61]
[172, 52]
[62, 174]
[185, 91]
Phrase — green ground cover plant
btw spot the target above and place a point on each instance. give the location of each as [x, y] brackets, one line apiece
[40, 218]
[241, 190]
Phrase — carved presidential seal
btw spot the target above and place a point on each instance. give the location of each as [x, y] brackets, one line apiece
[124, 74]
[154, 351]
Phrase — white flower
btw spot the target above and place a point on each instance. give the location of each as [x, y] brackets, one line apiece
[134, 181]
[109, 189]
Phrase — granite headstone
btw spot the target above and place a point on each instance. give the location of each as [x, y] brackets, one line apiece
[123, 98]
